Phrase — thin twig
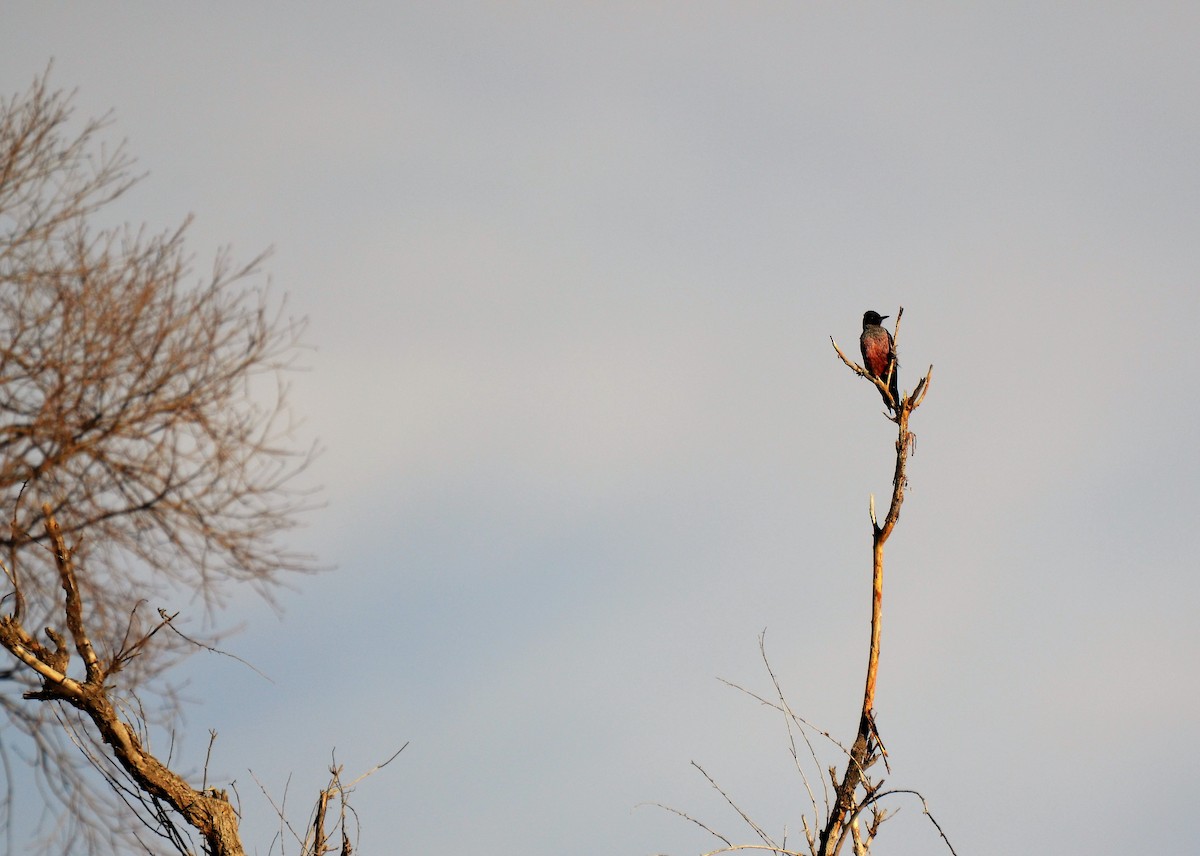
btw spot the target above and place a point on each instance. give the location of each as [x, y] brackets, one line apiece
[688, 817]
[212, 738]
[789, 717]
[924, 809]
[768, 848]
[758, 830]
[377, 767]
[167, 621]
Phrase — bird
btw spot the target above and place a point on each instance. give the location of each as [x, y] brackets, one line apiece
[878, 354]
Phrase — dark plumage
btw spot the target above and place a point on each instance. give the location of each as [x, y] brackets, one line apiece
[877, 353]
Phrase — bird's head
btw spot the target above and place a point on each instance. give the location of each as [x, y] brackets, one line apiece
[872, 317]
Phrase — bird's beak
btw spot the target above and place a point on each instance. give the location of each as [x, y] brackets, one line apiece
[881, 317]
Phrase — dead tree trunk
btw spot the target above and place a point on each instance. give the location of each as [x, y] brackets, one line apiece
[867, 748]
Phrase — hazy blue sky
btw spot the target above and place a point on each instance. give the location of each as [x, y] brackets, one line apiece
[572, 271]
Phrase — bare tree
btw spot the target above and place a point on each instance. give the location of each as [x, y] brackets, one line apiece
[145, 408]
[842, 801]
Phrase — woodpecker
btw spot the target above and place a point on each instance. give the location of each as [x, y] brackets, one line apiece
[878, 354]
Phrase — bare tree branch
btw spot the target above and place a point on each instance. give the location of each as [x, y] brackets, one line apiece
[207, 812]
[156, 794]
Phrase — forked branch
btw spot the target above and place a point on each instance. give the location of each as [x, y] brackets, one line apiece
[209, 811]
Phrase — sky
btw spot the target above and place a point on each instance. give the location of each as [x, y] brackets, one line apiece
[571, 273]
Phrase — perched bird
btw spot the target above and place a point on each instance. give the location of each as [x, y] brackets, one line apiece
[878, 354]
